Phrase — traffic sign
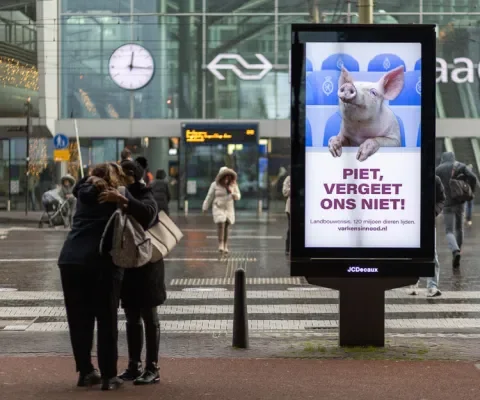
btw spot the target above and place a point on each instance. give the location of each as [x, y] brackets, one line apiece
[60, 141]
[61, 155]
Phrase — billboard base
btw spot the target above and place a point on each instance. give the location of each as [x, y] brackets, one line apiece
[362, 307]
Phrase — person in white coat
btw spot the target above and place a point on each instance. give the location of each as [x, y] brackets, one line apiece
[221, 196]
[286, 193]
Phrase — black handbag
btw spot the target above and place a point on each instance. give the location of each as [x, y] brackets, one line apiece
[460, 190]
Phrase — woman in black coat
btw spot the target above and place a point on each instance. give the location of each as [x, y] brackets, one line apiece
[161, 191]
[143, 289]
[91, 282]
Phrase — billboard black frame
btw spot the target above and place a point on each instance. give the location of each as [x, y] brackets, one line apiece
[336, 262]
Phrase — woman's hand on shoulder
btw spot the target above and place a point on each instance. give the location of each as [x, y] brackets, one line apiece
[110, 196]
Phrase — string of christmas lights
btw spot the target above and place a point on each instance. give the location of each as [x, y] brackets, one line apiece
[38, 156]
[14, 73]
[88, 102]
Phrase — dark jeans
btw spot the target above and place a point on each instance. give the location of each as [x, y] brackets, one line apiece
[453, 218]
[287, 240]
[134, 317]
[92, 293]
[468, 210]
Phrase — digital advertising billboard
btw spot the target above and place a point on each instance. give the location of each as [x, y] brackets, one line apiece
[363, 129]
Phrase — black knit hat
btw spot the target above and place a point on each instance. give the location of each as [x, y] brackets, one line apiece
[132, 168]
[142, 161]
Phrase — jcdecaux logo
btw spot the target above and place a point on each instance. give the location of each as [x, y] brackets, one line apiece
[357, 269]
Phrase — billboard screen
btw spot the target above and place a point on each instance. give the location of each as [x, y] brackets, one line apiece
[363, 113]
[361, 179]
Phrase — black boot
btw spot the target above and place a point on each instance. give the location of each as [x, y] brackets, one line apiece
[90, 379]
[135, 344]
[151, 373]
[112, 383]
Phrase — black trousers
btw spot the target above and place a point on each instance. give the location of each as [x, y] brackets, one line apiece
[92, 294]
[134, 317]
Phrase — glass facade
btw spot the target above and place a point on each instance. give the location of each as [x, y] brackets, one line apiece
[18, 61]
[185, 36]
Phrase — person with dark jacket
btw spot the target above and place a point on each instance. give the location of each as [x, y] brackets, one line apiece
[143, 289]
[161, 191]
[432, 283]
[454, 210]
[91, 282]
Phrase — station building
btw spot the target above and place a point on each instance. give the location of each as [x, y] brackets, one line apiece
[219, 67]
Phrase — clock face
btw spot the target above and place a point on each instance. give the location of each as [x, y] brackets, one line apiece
[131, 66]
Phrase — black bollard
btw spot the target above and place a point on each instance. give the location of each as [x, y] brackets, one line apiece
[240, 314]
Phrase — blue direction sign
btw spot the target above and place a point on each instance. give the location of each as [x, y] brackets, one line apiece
[60, 141]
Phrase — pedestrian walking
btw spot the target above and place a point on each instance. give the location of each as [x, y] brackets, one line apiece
[143, 289]
[469, 205]
[448, 170]
[65, 191]
[147, 175]
[221, 196]
[126, 155]
[432, 283]
[161, 191]
[91, 282]
[286, 193]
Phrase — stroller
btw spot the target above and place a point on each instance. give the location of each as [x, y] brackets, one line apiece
[57, 208]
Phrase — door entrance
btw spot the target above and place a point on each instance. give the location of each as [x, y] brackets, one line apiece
[208, 147]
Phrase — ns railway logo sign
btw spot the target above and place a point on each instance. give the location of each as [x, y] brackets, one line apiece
[218, 64]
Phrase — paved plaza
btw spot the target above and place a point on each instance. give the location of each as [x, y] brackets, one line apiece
[200, 287]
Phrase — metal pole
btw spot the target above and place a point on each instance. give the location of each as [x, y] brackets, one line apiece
[79, 149]
[365, 11]
[27, 156]
[240, 315]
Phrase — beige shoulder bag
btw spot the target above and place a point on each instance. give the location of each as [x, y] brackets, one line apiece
[164, 237]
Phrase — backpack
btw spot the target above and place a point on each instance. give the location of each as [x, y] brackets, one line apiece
[131, 247]
[460, 190]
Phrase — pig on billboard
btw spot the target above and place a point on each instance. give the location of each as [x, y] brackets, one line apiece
[363, 145]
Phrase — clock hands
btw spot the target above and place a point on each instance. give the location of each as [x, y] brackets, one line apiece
[141, 67]
[131, 61]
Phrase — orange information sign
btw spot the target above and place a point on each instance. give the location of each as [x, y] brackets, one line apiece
[61, 155]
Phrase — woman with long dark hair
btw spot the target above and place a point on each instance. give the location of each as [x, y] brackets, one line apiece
[143, 289]
[91, 282]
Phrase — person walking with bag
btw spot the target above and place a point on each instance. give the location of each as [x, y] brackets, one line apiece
[222, 196]
[91, 282]
[432, 283]
[456, 175]
[161, 191]
[143, 288]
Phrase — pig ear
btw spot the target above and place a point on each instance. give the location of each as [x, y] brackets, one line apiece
[392, 83]
[345, 77]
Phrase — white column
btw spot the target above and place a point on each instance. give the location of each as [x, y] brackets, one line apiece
[48, 64]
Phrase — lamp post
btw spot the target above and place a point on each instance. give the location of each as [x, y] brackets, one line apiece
[28, 110]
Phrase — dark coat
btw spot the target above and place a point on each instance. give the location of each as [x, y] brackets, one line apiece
[81, 246]
[444, 171]
[143, 287]
[161, 193]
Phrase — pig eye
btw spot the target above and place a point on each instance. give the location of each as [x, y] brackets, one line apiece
[373, 92]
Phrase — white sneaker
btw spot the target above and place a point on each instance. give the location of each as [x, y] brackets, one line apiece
[221, 248]
[433, 292]
[413, 290]
[225, 249]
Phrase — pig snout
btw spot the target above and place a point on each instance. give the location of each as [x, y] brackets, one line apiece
[347, 93]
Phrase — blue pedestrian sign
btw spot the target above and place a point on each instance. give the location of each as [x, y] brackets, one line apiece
[60, 141]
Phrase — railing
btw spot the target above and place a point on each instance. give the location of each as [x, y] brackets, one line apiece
[18, 41]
